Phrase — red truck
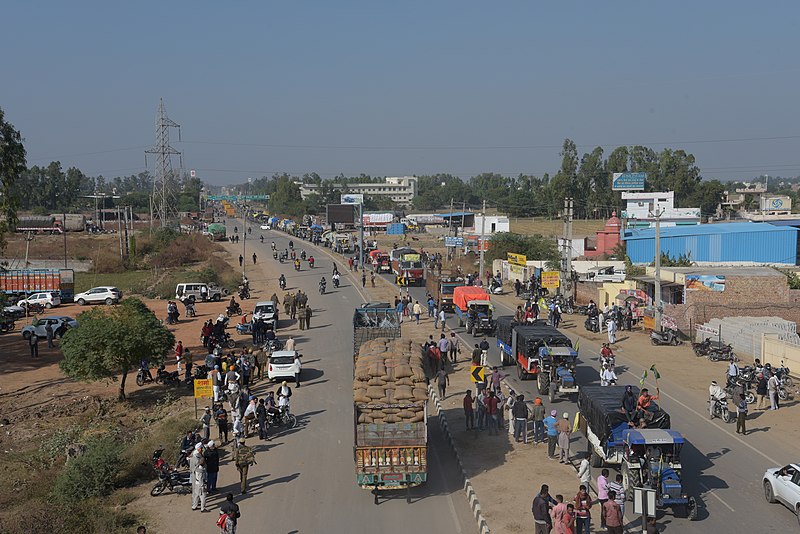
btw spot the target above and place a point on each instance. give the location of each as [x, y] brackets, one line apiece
[381, 263]
[409, 270]
[474, 310]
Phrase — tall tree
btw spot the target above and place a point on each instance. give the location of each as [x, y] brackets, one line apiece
[563, 183]
[111, 341]
[592, 171]
[12, 168]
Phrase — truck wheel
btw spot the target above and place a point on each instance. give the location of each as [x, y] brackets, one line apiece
[520, 372]
[691, 509]
[216, 298]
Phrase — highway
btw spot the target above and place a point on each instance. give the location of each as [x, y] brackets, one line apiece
[305, 477]
[721, 469]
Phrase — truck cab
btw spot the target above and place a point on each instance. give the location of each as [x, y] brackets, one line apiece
[381, 263]
[526, 342]
[445, 288]
[410, 271]
[474, 309]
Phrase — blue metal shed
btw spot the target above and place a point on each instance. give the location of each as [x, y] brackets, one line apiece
[724, 243]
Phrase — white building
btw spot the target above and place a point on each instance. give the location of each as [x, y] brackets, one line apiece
[400, 189]
[640, 207]
[494, 224]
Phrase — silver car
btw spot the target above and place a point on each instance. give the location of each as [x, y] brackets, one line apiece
[60, 324]
[782, 484]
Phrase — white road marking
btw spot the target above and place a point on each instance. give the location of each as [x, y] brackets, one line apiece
[711, 492]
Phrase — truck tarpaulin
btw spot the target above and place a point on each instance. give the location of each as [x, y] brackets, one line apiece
[601, 406]
[462, 295]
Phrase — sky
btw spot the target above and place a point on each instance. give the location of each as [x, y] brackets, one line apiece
[401, 88]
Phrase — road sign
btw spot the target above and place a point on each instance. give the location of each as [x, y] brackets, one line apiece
[400, 280]
[644, 501]
[476, 373]
[628, 181]
[453, 242]
[203, 389]
[517, 259]
[551, 279]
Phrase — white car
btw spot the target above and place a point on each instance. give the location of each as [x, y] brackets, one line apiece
[48, 299]
[282, 365]
[266, 227]
[106, 294]
[268, 312]
[782, 484]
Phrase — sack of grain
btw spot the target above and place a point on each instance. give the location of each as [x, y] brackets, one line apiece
[403, 371]
[419, 394]
[418, 418]
[403, 393]
[405, 414]
[392, 419]
[376, 381]
[375, 393]
[360, 395]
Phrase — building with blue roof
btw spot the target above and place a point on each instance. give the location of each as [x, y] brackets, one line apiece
[737, 243]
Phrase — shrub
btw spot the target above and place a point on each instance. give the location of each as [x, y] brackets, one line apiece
[92, 475]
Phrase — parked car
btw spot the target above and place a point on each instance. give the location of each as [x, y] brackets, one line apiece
[265, 227]
[782, 484]
[282, 365]
[194, 292]
[267, 311]
[17, 312]
[48, 299]
[106, 294]
[60, 324]
[378, 305]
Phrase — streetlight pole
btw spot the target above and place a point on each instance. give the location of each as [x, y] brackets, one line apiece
[482, 239]
[244, 232]
[657, 272]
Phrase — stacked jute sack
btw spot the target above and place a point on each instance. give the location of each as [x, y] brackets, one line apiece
[389, 384]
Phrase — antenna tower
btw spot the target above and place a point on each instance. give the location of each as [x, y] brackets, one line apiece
[163, 201]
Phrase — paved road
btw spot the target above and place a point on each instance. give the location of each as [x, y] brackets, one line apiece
[721, 469]
[305, 482]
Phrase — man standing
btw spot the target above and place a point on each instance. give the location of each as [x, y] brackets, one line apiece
[221, 415]
[261, 415]
[491, 404]
[48, 329]
[244, 457]
[290, 343]
[297, 366]
[442, 380]
[211, 455]
[231, 509]
[611, 325]
[541, 511]
[520, 414]
[453, 347]
[564, 432]
[205, 422]
[619, 494]
[585, 471]
[302, 320]
[612, 514]
[484, 346]
[364, 278]
[287, 304]
[469, 412]
[583, 504]
[538, 420]
[197, 472]
[733, 372]
[602, 495]
[179, 355]
[442, 318]
[417, 310]
[741, 415]
[33, 343]
[772, 390]
[215, 381]
[308, 314]
[552, 434]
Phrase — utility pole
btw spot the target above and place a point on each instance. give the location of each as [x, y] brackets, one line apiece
[570, 288]
[657, 273]
[451, 251]
[463, 214]
[64, 231]
[244, 233]
[164, 205]
[482, 237]
[361, 235]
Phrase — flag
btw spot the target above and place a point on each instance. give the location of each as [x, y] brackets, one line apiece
[644, 376]
[655, 371]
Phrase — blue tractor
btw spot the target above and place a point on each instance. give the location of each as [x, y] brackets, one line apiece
[651, 459]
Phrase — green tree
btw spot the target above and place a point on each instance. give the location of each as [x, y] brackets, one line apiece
[563, 183]
[535, 247]
[12, 168]
[113, 340]
[592, 173]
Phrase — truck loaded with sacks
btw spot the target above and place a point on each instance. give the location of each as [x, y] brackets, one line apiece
[390, 398]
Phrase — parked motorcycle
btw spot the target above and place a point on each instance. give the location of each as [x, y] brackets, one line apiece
[282, 418]
[165, 377]
[592, 324]
[34, 308]
[272, 345]
[143, 377]
[782, 373]
[665, 337]
[723, 353]
[168, 478]
[702, 348]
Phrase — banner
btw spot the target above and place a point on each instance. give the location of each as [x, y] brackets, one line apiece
[517, 259]
[551, 279]
[705, 282]
[202, 388]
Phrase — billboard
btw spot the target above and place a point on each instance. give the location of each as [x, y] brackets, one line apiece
[551, 279]
[352, 198]
[342, 213]
[628, 181]
[517, 259]
[705, 282]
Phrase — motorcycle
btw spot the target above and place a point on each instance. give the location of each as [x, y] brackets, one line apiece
[723, 353]
[303, 255]
[272, 345]
[721, 410]
[592, 324]
[169, 478]
[201, 372]
[233, 310]
[321, 288]
[34, 307]
[165, 377]
[282, 418]
[244, 293]
[782, 373]
[702, 348]
[311, 262]
[262, 238]
[224, 340]
[665, 337]
[297, 265]
[143, 377]
[336, 281]
[275, 254]
[282, 283]
[737, 387]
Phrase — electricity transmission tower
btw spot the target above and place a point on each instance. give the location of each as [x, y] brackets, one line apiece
[163, 201]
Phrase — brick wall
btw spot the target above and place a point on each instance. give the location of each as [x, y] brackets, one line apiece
[584, 291]
[766, 296]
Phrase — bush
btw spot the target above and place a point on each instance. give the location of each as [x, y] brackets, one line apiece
[107, 260]
[92, 475]
[135, 466]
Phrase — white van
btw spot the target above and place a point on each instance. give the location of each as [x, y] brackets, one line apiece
[196, 290]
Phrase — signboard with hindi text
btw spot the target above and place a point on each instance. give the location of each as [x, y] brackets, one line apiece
[203, 389]
[517, 259]
[551, 279]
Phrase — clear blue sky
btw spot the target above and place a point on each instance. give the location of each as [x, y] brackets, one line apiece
[394, 88]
